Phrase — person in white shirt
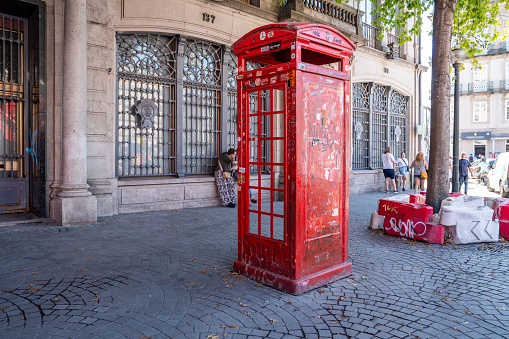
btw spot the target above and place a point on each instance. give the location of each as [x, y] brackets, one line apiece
[403, 168]
[388, 163]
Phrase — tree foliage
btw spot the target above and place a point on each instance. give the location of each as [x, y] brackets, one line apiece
[473, 24]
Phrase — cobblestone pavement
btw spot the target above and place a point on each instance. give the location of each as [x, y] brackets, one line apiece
[169, 275]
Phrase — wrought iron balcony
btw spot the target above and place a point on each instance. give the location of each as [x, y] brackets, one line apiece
[255, 3]
[339, 15]
[483, 87]
[371, 34]
[480, 87]
[496, 48]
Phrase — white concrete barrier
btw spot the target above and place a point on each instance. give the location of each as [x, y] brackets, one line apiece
[471, 231]
[463, 200]
[450, 215]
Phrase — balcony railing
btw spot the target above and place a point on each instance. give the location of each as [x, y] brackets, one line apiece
[339, 15]
[371, 34]
[496, 48]
[333, 10]
[483, 87]
[480, 87]
[255, 3]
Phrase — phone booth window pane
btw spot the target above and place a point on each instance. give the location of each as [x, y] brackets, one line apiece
[278, 151]
[253, 223]
[278, 125]
[278, 228]
[265, 101]
[278, 100]
[265, 225]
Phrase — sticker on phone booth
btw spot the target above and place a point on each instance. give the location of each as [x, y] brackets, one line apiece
[292, 46]
[242, 170]
[257, 81]
[270, 34]
[293, 55]
[262, 36]
[264, 49]
[242, 179]
[258, 73]
[273, 80]
[265, 81]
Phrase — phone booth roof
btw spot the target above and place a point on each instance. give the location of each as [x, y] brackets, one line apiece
[266, 44]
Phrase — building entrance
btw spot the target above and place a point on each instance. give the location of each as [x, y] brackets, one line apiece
[13, 115]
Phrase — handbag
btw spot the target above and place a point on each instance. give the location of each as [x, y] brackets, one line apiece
[226, 175]
[424, 175]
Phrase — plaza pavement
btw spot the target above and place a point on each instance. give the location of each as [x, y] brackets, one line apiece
[169, 275]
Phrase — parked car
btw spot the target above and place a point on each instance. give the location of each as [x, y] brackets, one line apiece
[498, 177]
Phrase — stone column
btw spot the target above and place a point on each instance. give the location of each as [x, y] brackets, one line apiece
[74, 203]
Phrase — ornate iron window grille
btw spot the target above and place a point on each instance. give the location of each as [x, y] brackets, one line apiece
[145, 71]
[177, 104]
[379, 119]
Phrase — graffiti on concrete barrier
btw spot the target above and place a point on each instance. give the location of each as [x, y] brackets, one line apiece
[408, 229]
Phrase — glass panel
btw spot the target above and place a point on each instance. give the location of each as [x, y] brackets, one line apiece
[265, 101]
[278, 125]
[278, 181]
[265, 225]
[278, 151]
[266, 198]
[253, 102]
[278, 225]
[278, 100]
[253, 223]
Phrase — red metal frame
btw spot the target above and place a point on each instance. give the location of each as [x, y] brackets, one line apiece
[315, 138]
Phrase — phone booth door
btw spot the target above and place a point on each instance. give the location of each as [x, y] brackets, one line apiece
[266, 165]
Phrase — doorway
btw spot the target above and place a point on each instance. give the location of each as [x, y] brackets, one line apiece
[13, 115]
[479, 148]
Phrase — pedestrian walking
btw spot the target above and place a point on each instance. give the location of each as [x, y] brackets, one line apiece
[420, 173]
[388, 163]
[403, 169]
[464, 168]
[224, 179]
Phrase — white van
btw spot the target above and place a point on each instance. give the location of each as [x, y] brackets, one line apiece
[498, 177]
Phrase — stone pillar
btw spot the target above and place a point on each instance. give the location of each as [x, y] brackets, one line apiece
[74, 203]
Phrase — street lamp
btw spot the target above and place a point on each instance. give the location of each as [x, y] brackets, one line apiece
[457, 56]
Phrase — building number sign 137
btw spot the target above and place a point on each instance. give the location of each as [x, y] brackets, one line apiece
[209, 18]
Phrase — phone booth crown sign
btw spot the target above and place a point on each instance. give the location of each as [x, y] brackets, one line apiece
[293, 142]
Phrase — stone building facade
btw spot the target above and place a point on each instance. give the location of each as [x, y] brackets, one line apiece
[484, 101]
[124, 105]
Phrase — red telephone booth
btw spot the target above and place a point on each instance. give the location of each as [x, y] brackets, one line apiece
[293, 143]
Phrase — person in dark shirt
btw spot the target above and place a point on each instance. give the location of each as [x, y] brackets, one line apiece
[464, 168]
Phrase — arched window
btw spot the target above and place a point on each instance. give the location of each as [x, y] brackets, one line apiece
[379, 120]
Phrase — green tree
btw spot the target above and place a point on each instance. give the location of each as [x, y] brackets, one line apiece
[474, 25]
